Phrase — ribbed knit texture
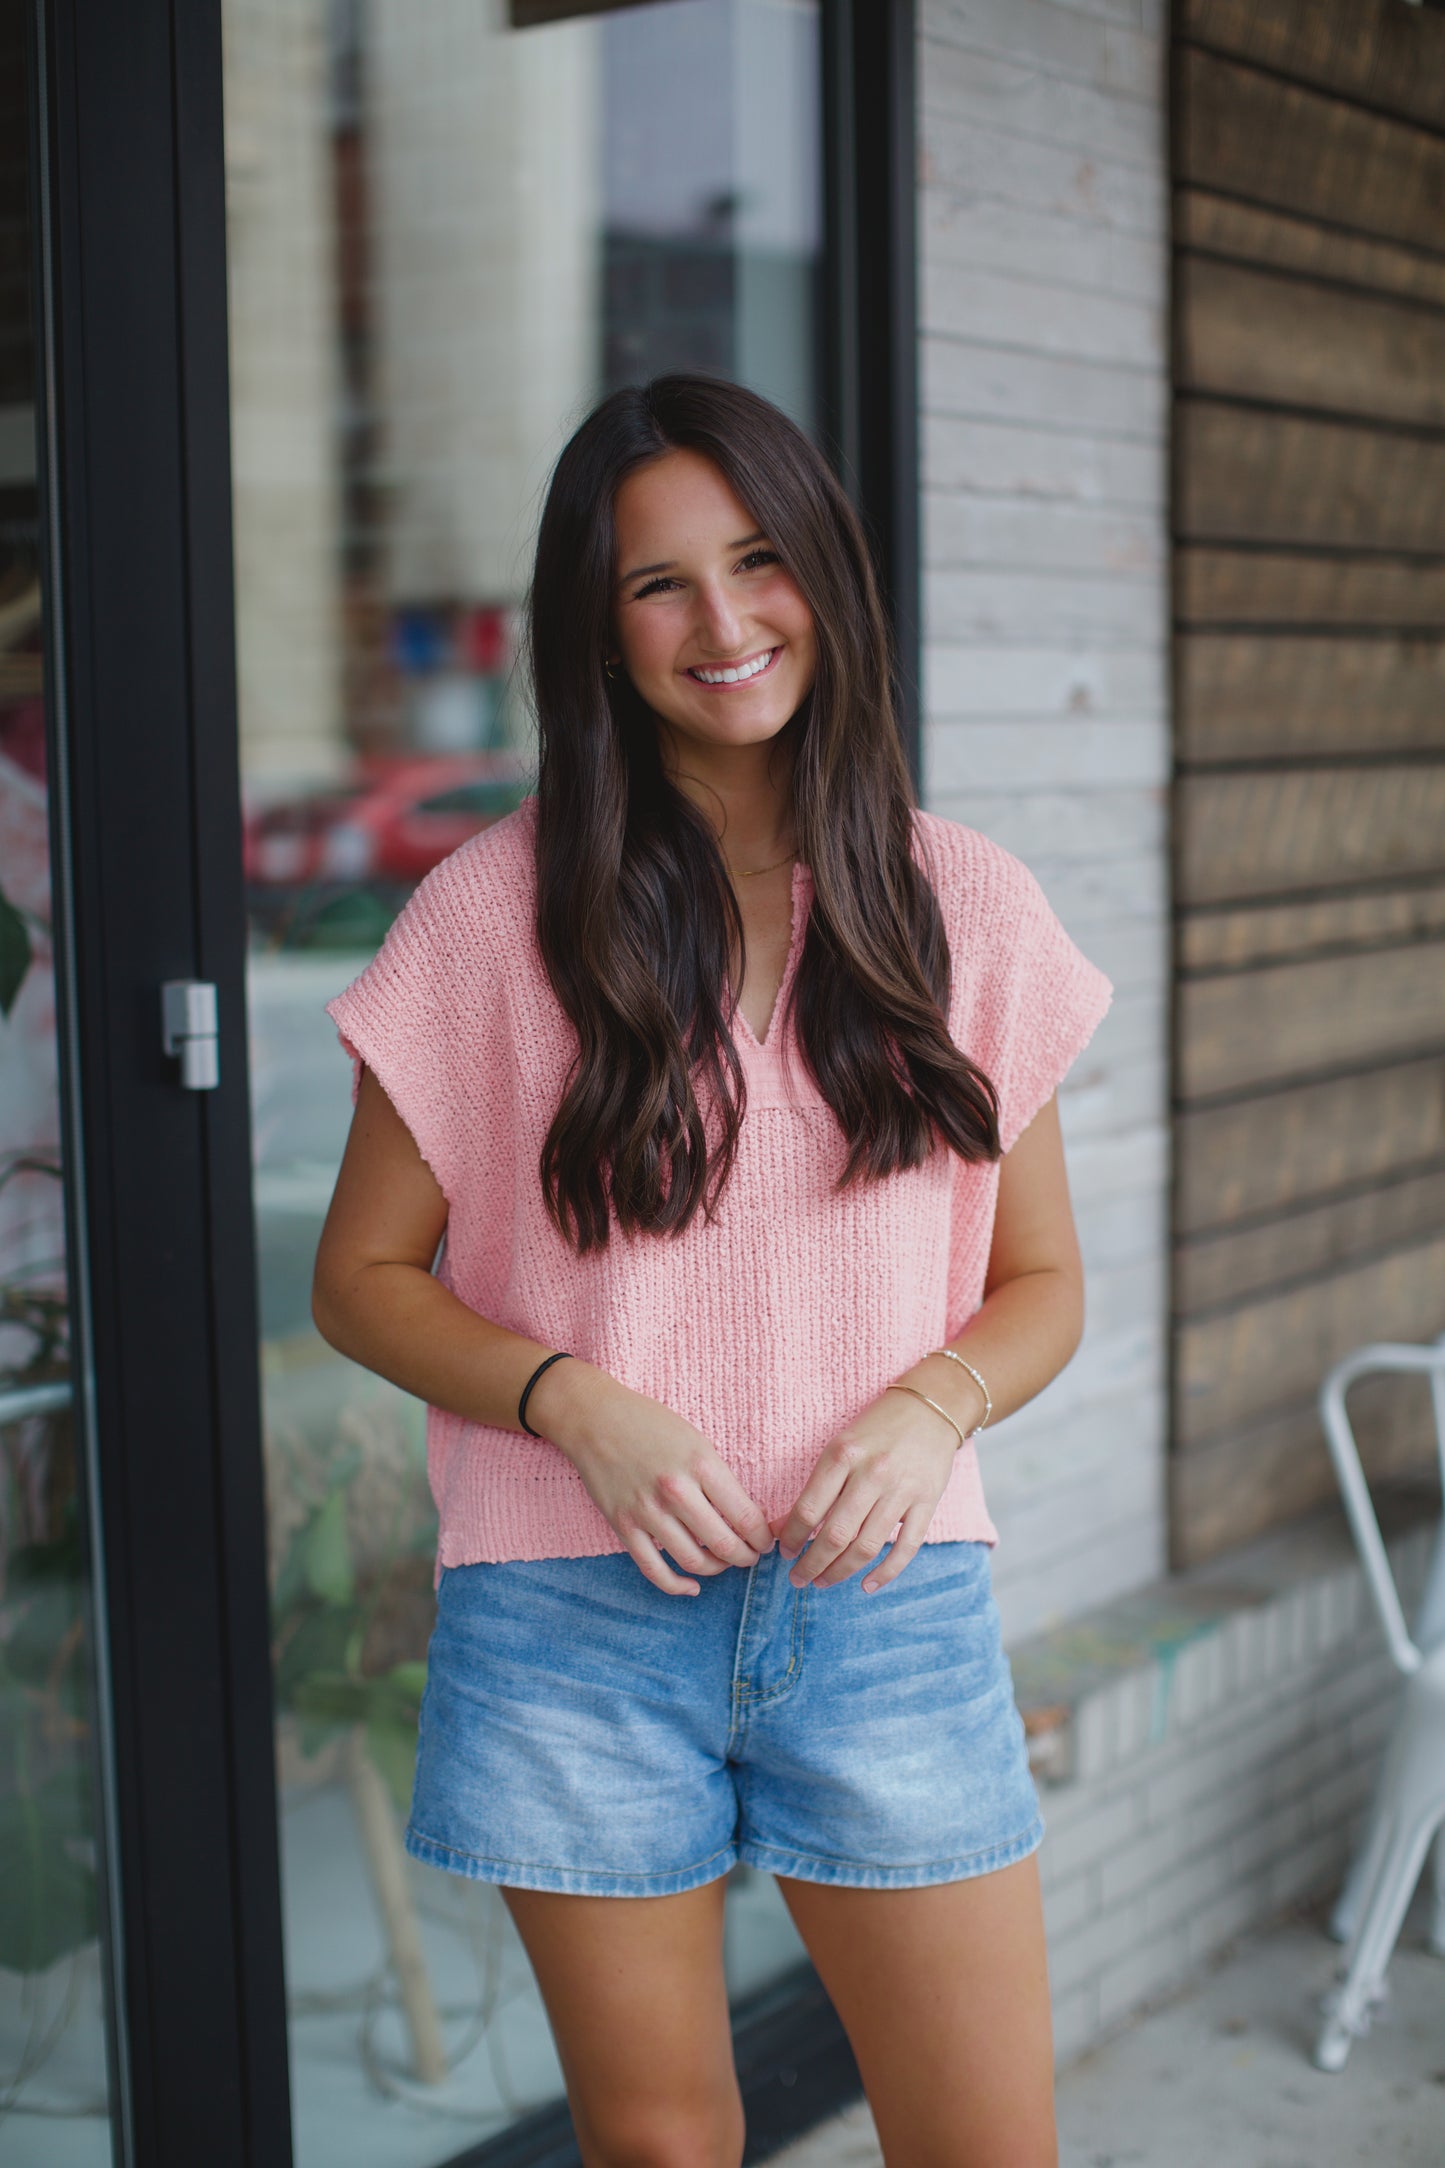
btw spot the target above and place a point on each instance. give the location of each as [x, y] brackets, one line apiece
[796, 1306]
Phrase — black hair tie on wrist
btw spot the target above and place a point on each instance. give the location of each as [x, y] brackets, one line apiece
[522, 1403]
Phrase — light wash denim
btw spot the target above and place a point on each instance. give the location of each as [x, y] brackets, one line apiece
[581, 1731]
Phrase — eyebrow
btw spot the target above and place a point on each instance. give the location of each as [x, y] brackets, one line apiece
[640, 572]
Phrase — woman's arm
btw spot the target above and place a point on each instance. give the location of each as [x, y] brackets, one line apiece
[654, 1476]
[1031, 1319]
[373, 1293]
[891, 1464]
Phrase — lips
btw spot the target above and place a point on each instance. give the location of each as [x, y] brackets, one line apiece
[727, 674]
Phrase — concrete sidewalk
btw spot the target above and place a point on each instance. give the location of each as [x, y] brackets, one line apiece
[1221, 2073]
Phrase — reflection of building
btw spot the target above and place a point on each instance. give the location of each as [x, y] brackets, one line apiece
[281, 254]
[482, 150]
[724, 272]
[441, 247]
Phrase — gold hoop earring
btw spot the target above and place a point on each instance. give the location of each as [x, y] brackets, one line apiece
[607, 664]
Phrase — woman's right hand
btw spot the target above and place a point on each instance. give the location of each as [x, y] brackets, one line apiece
[656, 1480]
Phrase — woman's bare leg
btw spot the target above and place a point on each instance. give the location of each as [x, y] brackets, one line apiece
[944, 1994]
[638, 2007]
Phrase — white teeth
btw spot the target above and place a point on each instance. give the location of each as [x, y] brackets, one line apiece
[734, 677]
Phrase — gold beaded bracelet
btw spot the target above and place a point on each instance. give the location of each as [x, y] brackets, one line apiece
[954, 1356]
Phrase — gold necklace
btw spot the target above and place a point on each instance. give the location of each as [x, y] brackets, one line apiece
[742, 873]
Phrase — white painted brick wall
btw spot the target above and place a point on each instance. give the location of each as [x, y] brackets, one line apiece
[1043, 238]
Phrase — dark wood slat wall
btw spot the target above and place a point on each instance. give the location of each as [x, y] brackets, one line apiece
[1308, 149]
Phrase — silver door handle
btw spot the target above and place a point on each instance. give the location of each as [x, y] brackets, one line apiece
[190, 1031]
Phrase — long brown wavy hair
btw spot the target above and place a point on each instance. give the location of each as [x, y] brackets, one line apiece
[636, 916]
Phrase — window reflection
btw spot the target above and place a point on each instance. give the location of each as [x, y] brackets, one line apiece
[450, 229]
[53, 2077]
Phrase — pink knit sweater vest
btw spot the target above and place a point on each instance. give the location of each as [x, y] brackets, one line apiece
[794, 1308]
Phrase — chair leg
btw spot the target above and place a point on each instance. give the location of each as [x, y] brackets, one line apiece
[1429, 1624]
[1428, 1629]
[1386, 1901]
[1411, 1786]
[1435, 1933]
[1340, 1924]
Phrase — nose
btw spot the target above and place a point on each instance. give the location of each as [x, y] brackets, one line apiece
[719, 621]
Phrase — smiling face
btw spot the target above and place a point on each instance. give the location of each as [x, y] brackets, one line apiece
[711, 627]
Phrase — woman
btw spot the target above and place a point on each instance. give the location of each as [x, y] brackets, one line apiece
[727, 1074]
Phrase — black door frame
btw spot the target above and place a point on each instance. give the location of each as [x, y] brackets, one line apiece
[147, 827]
[871, 313]
[126, 108]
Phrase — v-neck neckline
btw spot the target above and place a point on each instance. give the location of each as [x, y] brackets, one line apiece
[767, 1046]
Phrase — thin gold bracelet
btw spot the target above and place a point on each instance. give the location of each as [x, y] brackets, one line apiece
[897, 1388]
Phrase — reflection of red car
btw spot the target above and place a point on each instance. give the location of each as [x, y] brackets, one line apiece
[397, 818]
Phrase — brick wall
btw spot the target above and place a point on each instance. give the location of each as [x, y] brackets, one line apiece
[1043, 231]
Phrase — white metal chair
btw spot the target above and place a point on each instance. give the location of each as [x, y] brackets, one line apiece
[1408, 1807]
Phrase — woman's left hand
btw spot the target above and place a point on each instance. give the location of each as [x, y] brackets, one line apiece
[888, 1466]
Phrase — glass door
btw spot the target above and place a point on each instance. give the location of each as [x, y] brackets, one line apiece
[449, 229]
[55, 2085]
[297, 304]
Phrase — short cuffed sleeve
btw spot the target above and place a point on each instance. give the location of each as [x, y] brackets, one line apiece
[424, 1017]
[1046, 1000]
[1025, 1000]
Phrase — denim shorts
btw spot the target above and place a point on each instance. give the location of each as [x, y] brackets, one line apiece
[583, 1732]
